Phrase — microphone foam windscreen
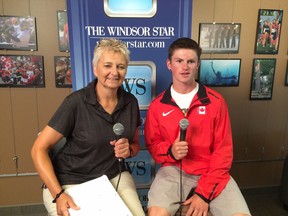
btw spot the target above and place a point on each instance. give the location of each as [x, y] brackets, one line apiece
[118, 129]
[184, 123]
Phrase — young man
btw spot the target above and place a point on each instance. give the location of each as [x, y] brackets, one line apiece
[201, 159]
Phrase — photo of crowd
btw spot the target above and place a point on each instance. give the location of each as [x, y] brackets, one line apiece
[17, 33]
[21, 71]
[63, 72]
[268, 31]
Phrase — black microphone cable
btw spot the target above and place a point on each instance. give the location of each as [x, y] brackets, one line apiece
[184, 123]
[120, 164]
[118, 129]
[181, 187]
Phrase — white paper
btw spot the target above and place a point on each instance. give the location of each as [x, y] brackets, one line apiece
[97, 197]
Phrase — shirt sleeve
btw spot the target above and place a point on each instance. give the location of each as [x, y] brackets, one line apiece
[155, 143]
[63, 119]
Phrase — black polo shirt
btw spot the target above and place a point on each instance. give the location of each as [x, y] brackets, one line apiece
[88, 129]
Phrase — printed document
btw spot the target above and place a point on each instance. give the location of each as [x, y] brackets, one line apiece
[97, 197]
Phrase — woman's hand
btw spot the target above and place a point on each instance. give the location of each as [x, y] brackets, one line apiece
[121, 148]
[63, 203]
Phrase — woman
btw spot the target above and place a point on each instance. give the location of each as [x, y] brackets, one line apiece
[86, 118]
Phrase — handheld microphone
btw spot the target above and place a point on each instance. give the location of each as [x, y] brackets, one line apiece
[184, 123]
[118, 130]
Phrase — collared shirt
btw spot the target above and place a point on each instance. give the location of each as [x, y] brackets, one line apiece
[88, 129]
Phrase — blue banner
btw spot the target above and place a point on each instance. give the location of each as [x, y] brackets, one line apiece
[147, 26]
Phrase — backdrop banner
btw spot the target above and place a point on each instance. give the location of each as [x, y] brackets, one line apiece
[147, 26]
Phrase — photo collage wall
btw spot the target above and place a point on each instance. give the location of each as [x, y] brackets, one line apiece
[19, 33]
[223, 38]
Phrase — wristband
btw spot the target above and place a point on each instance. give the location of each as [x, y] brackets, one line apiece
[203, 198]
[170, 153]
[58, 195]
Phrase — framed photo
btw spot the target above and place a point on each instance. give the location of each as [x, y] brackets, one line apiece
[18, 33]
[63, 72]
[219, 37]
[262, 79]
[219, 72]
[63, 34]
[286, 79]
[268, 31]
[21, 71]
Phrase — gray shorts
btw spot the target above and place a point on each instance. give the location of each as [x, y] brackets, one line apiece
[165, 193]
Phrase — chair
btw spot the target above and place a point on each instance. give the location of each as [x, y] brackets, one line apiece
[54, 151]
[184, 211]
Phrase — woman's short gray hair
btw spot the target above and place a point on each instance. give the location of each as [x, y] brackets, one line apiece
[110, 44]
